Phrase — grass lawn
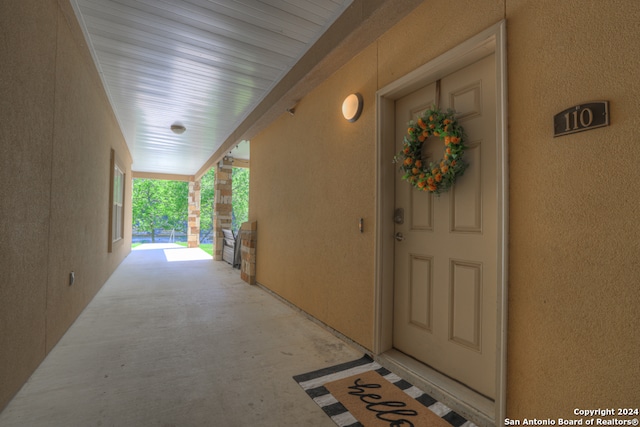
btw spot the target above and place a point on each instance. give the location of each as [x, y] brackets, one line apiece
[207, 247]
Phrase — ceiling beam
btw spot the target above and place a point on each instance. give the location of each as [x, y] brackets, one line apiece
[163, 176]
[241, 163]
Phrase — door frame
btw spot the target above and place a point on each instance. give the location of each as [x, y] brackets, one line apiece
[490, 41]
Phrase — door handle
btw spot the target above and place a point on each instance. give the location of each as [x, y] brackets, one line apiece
[399, 237]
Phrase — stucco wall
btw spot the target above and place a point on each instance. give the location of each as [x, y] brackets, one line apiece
[574, 331]
[56, 137]
[574, 334]
[311, 182]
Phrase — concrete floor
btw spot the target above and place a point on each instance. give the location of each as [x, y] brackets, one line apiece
[176, 339]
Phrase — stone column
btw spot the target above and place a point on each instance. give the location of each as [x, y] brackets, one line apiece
[249, 237]
[193, 226]
[222, 208]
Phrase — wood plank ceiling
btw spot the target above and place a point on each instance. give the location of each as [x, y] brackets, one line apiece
[203, 64]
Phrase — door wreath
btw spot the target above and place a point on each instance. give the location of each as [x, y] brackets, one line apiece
[436, 177]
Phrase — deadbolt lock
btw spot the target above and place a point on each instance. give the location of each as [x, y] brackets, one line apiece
[398, 216]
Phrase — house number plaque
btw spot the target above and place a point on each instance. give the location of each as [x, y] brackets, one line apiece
[581, 117]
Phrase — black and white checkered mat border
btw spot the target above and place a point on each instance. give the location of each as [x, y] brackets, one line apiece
[313, 384]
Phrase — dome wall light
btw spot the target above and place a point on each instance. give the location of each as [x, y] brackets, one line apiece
[352, 107]
[177, 128]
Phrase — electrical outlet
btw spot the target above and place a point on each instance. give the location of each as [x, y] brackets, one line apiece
[72, 277]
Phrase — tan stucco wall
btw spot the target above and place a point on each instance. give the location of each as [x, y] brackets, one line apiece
[310, 185]
[574, 330]
[573, 333]
[56, 136]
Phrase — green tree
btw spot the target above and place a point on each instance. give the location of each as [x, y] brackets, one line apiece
[240, 201]
[176, 202]
[159, 205]
[207, 193]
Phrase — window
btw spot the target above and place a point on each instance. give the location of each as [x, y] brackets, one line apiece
[116, 204]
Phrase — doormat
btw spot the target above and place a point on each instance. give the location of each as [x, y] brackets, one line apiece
[362, 393]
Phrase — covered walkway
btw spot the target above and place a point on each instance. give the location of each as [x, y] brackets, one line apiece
[176, 339]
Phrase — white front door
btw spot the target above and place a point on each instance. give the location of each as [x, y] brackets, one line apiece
[446, 268]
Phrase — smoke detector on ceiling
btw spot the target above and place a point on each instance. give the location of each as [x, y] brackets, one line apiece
[177, 128]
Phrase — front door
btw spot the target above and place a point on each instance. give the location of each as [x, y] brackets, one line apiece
[445, 284]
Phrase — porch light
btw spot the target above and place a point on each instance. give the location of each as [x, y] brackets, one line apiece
[177, 128]
[352, 107]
